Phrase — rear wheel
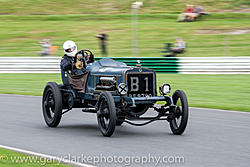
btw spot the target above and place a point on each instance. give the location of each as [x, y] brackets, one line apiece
[106, 114]
[52, 104]
[178, 122]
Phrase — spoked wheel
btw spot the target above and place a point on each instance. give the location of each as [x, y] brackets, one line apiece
[52, 104]
[179, 120]
[106, 114]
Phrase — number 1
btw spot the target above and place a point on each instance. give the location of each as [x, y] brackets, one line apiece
[146, 79]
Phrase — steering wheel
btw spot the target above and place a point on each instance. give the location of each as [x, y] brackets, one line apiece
[88, 55]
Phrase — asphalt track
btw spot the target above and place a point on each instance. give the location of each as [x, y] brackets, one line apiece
[212, 138]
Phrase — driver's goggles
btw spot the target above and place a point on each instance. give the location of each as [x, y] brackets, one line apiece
[70, 49]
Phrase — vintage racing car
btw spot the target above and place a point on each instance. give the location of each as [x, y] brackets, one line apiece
[117, 93]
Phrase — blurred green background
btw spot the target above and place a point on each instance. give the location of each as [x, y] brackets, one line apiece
[24, 23]
[41, 7]
[226, 32]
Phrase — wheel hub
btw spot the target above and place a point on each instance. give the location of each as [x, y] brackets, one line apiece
[178, 112]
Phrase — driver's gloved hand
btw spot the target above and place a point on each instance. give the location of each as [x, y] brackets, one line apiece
[79, 64]
[79, 56]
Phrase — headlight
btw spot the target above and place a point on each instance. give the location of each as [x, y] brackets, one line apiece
[165, 89]
[122, 89]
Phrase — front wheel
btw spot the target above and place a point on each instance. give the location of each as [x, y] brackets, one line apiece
[178, 122]
[106, 114]
[52, 104]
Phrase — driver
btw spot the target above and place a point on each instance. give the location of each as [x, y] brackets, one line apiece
[75, 65]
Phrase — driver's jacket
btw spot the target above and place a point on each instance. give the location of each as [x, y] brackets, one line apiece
[66, 65]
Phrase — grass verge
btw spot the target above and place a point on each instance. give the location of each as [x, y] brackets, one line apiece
[229, 92]
[15, 159]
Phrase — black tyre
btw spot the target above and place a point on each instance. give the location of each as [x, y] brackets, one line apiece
[106, 114]
[52, 104]
[178, 123]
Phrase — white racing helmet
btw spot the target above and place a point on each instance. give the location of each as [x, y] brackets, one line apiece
[70, 48]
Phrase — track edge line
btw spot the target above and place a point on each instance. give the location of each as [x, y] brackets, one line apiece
[60, 160]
